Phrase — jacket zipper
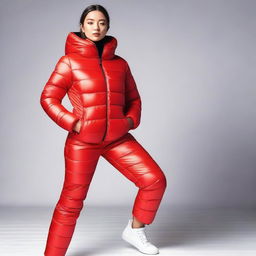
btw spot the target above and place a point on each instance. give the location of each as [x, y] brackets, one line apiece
[100, 62]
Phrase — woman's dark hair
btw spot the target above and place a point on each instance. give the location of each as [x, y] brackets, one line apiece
[90, 8]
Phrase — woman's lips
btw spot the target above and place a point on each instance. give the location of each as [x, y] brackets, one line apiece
[96, 34]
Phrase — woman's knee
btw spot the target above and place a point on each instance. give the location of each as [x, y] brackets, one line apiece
[153, 180]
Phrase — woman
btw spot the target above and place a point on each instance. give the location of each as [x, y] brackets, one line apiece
[106, 105]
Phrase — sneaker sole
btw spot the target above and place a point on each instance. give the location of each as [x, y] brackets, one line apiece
[128, 241]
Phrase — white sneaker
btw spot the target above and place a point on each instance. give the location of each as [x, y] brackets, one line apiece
[137, 238]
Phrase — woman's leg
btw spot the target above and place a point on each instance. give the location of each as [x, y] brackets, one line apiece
[136, 223]
[80, 163]
[136, 164]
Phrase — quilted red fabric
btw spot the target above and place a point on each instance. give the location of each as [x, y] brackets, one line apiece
[104, 95]
[102, 91]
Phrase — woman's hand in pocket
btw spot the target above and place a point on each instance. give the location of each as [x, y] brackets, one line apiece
[77, 126]
[130, 121]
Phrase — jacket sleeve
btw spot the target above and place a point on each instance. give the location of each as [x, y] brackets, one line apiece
[53, 93]
[132, 98]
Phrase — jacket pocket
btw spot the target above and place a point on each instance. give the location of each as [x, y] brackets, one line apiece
[125, 126]
[80, 132]
[83, 121]
[82, 125]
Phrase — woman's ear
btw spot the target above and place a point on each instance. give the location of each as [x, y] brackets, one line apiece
[81, 27]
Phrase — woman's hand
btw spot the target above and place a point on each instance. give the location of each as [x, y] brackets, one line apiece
[77, 126]
[130, 122]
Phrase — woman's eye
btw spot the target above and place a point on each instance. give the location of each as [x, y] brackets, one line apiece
[103, 24]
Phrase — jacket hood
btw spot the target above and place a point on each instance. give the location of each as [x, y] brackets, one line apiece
[87, 48]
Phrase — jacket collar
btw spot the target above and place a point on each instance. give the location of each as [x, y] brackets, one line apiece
[87, 48]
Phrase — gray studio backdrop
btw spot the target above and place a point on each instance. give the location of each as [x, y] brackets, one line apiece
[194, 65]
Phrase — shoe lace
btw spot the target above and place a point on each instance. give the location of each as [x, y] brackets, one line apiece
[142, 236]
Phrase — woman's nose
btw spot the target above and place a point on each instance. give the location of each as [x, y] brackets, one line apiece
[96, 27]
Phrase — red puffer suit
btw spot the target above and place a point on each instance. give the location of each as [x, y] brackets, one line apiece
[104, 95]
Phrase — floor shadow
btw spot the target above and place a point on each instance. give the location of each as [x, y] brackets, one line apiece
[191, 226]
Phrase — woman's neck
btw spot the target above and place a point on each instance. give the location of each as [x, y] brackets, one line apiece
[100, 44]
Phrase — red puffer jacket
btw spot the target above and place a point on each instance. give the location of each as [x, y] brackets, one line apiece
[102, 91]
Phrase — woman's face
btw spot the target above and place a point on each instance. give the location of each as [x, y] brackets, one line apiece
[95, 25]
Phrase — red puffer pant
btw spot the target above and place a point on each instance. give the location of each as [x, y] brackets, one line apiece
[129, 157]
